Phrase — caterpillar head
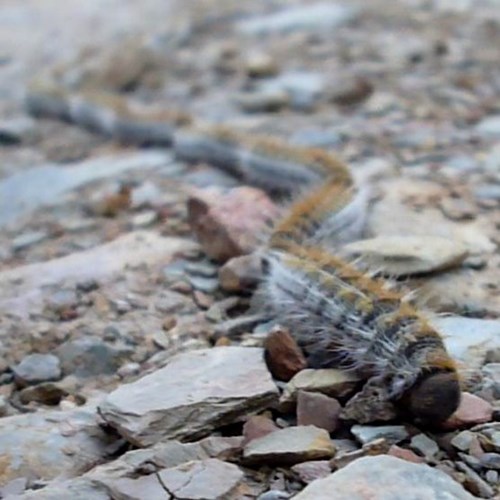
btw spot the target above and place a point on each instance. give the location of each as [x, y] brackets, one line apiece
[434, 396]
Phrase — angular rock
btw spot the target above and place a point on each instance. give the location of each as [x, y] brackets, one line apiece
[37, 368]
[194, 393]
[463, 440]
[474, 482]
[377, 447]
[407, 255]
[317, 409]
[241, 273]
[490, 461]
[258, 426]
[46, 445]
[102, 479]
[472, 410]
[383, 478]
[229, 224]
[391, 433]
[319, 16]
[209, 479]
[425, 445]
[148, 486]
[290, 446]
[335, 383]
[371, 404]
[284, 357]
[310, 471]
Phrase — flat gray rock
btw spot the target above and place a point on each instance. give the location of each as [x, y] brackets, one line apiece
[193, 394]
[385, 478]
[290, 446]
[50, 444]
[210, 479]
[406, 255]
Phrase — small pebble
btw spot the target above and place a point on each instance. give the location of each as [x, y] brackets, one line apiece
[391, 433]
[425, 445]
[37, 368]
[284, 357]
[472, 410]
[310, 471]
[316, 409]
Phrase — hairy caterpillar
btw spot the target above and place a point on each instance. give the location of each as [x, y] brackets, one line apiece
[338, 315]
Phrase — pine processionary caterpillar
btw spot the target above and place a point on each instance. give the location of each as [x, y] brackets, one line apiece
[337, 314]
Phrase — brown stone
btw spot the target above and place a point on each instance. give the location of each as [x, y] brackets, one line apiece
[258, 426]
[230, 223]
[284, 357]
[314, 408]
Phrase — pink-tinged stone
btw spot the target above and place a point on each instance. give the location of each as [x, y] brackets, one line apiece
[257, 426]
[472, 410]
[310, 471]
[314, 408]
[284, 357]
[230, 223]
[408, 455]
